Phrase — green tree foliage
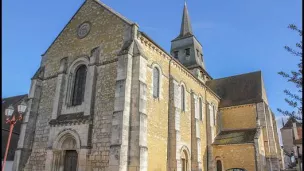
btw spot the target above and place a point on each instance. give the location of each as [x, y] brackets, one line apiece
[294, 99]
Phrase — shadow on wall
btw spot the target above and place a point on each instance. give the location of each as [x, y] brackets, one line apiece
[205, 159]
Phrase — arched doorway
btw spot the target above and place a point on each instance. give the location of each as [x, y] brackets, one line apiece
[70, 160]
[219, 165]
[65, 151]
[184, 160]
[70, 154]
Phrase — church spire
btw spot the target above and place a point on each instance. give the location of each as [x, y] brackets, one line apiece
[188, 50]
[186, 28]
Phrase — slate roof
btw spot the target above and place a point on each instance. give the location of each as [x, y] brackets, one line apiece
[186, 28]
[15, 100]
[238, 89]
[289, 123]
[235, 137]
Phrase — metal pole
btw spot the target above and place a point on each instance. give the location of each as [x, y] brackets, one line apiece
[7, 145]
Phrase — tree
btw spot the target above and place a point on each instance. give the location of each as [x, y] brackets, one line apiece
[294, 99]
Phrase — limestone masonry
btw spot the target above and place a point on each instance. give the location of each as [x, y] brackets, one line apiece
[108, 98]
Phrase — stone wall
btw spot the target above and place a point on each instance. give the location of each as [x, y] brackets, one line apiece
[236, 156]
[108, 32]
[165, 114]
[239, 117]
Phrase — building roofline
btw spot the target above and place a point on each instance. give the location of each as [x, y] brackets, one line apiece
[99, 3]
[198, 66]
[181, 65]
[187, 36]
[115, 12]
[21, 97]
[259, 71]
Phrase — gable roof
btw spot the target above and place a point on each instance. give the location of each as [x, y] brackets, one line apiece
[238, 89]
[6, 102]
[124, 19]
[289, 123]
[235, 137]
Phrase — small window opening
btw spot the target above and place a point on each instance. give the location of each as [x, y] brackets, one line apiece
[175, 54]
[187, 51]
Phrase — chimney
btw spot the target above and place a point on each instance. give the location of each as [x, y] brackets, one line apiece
[295, 130]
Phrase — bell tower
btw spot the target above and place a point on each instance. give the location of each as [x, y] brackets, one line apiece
[188, 50]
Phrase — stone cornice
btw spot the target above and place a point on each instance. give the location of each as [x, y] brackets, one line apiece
[146, 41]
[238, 106]
[71, 119]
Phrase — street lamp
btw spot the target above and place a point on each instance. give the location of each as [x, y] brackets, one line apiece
[12, 118]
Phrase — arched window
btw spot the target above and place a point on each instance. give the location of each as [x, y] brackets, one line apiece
[218, 165]
[184, 160]
[79, 85]
[200, 109]
[183, 98]
[155, 82]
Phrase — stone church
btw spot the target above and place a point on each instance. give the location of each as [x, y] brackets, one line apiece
[106, 97]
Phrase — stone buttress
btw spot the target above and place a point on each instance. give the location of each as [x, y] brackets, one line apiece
[28, 125]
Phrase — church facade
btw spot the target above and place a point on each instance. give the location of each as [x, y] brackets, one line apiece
[108, 98]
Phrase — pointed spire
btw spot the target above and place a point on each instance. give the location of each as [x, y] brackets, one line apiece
[186, 24]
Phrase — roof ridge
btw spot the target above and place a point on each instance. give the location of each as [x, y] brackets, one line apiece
[115, 12]
[14, 96]
[99, 3]
[237, 75]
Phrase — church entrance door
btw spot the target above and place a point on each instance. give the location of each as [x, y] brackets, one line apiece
[70, 160]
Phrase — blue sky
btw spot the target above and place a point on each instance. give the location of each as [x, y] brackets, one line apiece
[237, 36]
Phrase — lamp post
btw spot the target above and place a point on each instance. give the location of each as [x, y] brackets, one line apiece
[11, 119]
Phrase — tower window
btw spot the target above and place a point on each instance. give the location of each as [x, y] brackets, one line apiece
[198, 53]
[187, 51]
[202, 57]
[175, 54]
